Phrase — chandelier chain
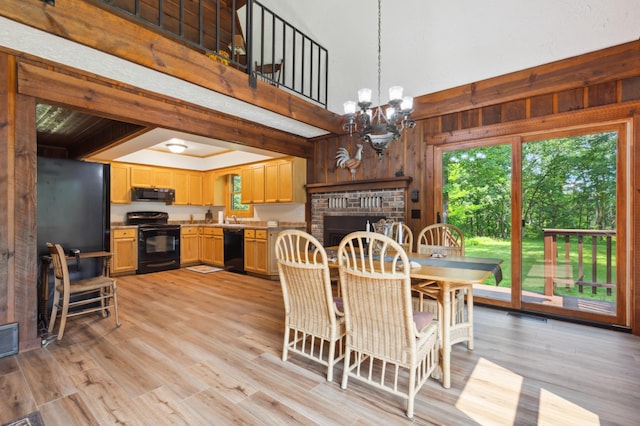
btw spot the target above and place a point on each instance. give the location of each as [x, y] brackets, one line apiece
[379, 49]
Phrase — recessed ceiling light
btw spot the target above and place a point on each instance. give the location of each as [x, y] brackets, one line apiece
[176, 148]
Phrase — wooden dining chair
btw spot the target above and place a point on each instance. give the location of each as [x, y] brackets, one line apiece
[440, 240]
[314, 322]
[73, 298]
[407, 235]
[388, 345]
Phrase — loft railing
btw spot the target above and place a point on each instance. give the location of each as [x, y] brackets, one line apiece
[576, 266]
[243, 34]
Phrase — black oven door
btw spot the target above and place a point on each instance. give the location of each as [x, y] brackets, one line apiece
[158, 248]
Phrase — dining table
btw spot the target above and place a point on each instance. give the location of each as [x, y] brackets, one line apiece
[449, 273]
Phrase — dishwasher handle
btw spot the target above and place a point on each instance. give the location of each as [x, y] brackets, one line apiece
[235, 231]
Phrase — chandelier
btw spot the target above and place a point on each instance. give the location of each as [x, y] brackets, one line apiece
[376, 128]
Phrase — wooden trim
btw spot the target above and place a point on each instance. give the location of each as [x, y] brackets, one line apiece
[362, 185]
[580, 118]
[604, 65]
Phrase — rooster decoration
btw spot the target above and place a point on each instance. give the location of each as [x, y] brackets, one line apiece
[351, 163]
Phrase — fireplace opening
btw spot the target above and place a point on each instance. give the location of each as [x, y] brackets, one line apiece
[337, 227]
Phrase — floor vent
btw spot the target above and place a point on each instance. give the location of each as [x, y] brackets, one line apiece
[8, 339]
[529, 317]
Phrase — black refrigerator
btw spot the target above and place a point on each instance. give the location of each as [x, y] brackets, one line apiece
[73, 210]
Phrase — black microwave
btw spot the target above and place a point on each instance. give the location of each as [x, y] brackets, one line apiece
[160, 195]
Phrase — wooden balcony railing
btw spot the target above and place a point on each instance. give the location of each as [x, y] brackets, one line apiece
[243, 34]
[568, 268]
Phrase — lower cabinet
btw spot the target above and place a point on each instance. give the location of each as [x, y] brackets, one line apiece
[259, 252]
[189, 245]
[124, 246]
[218, 247]
[212, 246]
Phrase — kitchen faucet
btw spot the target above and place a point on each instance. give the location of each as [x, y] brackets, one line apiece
[235, 219]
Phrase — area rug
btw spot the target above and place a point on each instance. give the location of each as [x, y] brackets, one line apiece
[204, 269]
[33, 419]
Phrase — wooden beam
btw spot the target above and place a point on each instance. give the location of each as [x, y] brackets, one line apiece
[7, 200]
[121, 103]
[84, 23]
[616, 62]
[359, 185]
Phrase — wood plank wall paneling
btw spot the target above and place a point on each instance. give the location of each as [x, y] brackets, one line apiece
[7, 228]
[617, 62]
[26, 256]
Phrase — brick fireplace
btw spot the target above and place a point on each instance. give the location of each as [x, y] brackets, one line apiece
[337, 209]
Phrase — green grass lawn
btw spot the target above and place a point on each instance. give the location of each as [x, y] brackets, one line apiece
[533, 265]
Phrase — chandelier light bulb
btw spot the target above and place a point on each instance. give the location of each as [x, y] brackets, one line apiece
[395, 93]
[407, 103]
[390, 113]
[364, 95]
[349, 107]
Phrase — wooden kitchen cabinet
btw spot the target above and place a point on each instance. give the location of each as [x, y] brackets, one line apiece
[218, 247]
[120, 184]
[206, 245]
[212, 192]
[188, 187]
[277, 181]
[124, 246]
[195, 188]
[253, 184]
[151, 177]
[259, 252]
[285, 180]
[189, 245]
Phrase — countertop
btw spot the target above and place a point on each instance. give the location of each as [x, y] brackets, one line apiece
[245, 225]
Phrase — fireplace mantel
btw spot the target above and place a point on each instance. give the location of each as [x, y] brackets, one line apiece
[359, 185]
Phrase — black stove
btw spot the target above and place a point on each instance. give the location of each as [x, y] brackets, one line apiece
[158, 241]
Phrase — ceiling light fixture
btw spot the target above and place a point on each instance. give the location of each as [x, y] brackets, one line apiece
[376, 128]
[176, 148]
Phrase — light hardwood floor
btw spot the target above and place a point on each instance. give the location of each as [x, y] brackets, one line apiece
[205, 349]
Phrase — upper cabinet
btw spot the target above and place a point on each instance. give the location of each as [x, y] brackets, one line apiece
[213, 188]
[120, 184]
[152, 177]
[253, 184]
[285, 180]
[188, 186]
[277, 181]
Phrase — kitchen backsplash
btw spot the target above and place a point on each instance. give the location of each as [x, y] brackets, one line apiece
[286, 212]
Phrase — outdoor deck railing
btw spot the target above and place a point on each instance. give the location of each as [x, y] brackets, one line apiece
[559, 267]
[243, 34]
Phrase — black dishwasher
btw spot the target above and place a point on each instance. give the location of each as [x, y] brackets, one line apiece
[234, 250]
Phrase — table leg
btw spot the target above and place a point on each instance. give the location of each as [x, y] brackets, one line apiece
[446, 336]
[470, 316]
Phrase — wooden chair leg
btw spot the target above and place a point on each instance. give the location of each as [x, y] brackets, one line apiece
[54, 311]
[115, 304]
[63, 317]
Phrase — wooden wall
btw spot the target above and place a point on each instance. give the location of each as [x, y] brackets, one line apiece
[18, 274]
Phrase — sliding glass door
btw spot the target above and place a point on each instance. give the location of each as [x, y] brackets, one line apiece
[552, 207]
